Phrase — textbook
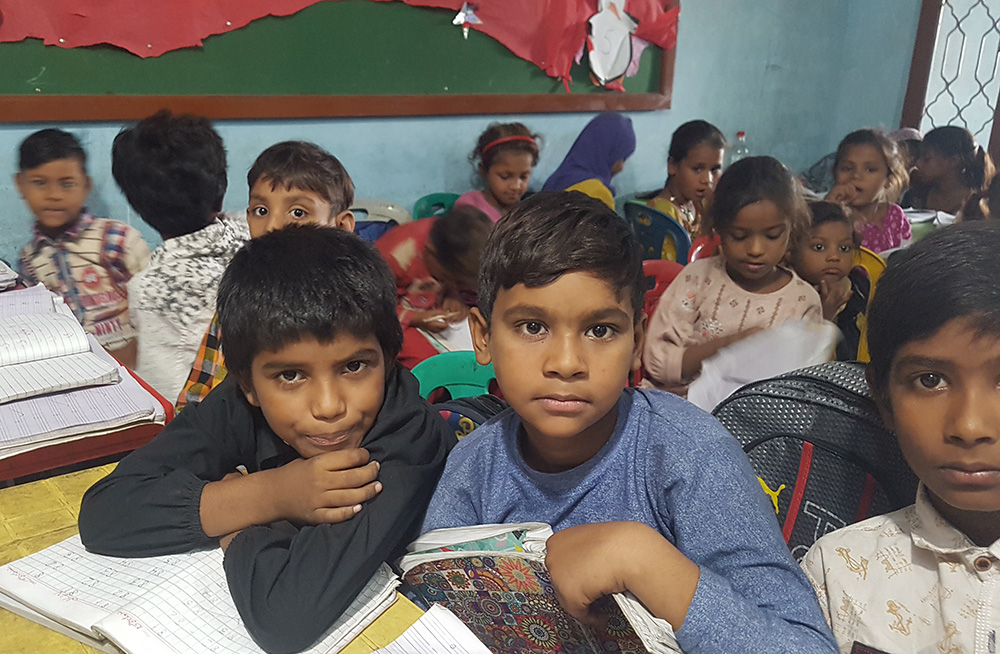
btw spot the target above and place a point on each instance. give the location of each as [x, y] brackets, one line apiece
[173, 604]
[493, 577]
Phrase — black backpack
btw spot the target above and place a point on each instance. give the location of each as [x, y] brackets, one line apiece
[466, 413]
[820, 449]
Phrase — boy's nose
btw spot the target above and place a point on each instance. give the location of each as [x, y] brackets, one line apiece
[326, 402]
[974, 418]
[564, 359]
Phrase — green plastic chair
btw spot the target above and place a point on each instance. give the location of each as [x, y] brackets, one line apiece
[435, 204]
[456, 372]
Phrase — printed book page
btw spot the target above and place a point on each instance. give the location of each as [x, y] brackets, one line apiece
[158, 605]
[34, 336]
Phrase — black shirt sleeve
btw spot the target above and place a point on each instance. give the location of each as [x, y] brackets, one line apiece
[150, 505]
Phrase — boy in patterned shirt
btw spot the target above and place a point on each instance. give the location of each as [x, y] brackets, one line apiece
[86, 260]
[927, 578]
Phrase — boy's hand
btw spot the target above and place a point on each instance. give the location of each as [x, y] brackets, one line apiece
[455, 308]
[834, 297]
[326, 488]
[589, 561]
[841, 194]
[432, 320]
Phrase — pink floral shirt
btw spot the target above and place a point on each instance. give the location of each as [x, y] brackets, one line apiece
[892, 233]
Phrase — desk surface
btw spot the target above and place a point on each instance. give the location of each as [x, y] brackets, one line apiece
[44, 512]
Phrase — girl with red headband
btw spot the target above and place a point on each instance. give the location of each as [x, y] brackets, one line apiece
[504, 157]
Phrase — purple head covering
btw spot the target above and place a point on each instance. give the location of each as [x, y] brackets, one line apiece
[606, 139]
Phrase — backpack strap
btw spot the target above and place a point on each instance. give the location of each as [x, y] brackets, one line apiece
[805, 465]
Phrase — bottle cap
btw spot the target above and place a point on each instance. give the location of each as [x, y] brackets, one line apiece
[740, 134]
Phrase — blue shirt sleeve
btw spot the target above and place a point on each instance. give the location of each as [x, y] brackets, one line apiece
[751, 595]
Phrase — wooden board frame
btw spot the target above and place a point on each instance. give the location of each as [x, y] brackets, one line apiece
[72, 108]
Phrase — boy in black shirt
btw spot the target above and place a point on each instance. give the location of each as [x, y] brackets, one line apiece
[310, 464]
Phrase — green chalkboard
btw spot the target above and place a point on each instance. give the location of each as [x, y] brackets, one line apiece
[346, 48]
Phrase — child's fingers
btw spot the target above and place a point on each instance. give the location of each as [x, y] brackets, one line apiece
[352, 477]
[350, 497]
[333, 516]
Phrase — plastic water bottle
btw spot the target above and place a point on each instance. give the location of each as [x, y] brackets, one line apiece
[740, 150]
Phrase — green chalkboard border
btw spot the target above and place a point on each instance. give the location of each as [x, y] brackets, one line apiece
[80, 85]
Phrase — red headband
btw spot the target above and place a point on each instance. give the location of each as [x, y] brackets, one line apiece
[507, 139]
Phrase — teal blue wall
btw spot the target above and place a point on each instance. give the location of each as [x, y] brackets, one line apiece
[796, 76]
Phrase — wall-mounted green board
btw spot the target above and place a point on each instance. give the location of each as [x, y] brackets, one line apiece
[349, 57]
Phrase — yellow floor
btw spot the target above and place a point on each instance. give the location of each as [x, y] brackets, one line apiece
[42, 513]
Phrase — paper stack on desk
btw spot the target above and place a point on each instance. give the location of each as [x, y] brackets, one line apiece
[7, 276]
[56, 382]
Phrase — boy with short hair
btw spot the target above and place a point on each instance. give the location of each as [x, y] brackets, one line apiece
[86, 260]
[172, 170]
[291, 183]
[681, 520]
[925, 578]
[315, 415]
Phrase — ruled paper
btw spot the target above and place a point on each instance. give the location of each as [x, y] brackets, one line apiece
[35, 336]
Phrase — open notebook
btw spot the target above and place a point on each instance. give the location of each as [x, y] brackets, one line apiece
[43, 349]
[493, 577]
[159, 605]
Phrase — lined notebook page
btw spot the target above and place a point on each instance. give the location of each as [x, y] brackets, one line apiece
[36, 299]
[32, 423]
[23, 380]
[37, 336]
[77, 588]
[194, 612]
[438, 631]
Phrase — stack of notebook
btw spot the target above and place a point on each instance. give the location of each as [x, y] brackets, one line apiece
[56, 382]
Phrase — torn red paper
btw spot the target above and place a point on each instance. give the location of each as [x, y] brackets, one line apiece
[547, 34]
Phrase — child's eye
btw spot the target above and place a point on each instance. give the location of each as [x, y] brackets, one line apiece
[69, 185]
[931, 380]
[846, 249]
[817, 247]
[299, 213]
[289, 376]
[355, 366]
[601, 332]
[531, 328]
[259, 211]
[40, 183]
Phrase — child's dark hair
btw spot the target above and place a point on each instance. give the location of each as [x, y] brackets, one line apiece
[461, 231]
[553, 233]
[172, 170]
[50, 145]
[755, 179]
[305, 280]
[503, 137]
[894, 162]
[692, 134]
[951, 273]
[975, 166]
[830, 212]
[303, 165]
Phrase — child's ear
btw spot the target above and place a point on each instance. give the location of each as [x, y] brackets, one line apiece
[19, 182]
[480, 336]
[671, 166]
[639, 334]
[249, 393]
[881, 399]
[344, 220]
[88, 184]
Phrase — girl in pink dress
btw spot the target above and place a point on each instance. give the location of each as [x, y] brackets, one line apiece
[868, 171]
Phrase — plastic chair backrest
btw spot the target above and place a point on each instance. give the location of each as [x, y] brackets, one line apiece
[380, 211]
[874, 265]
[435, 204]
[456, 372]
[657, 232]
[704, 247]
[663, 272]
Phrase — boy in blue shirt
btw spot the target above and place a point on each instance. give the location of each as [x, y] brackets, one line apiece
[646, 492]
[337, 452]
